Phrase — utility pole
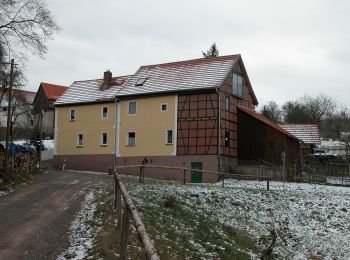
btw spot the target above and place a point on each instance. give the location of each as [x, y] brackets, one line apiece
[9, 118]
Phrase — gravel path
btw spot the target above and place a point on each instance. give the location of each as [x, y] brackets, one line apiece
[34, 219]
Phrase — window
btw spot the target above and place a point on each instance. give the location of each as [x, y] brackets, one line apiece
[104, 139]
[163, 107]
[4, 109]
[131, 138]
[169, 136]
[140, 81]
[237, 85]
[132, 108]
[80, 140]
[227, 138]
[72, 115]
[227, 103]
[104, 112]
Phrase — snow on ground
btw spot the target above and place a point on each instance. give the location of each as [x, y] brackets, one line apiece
[81, 235]
[3, 193]
[311, 221]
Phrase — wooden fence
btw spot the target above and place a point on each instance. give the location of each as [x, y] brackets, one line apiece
[124, 221]
[330, 169]
[130, 209]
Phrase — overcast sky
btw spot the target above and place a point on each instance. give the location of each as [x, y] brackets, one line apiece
[289, 48]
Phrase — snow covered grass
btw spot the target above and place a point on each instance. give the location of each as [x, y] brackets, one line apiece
[241, 221]
[84, 228]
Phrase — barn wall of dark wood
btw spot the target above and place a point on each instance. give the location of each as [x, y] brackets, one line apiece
[41, 101]
[258, 140]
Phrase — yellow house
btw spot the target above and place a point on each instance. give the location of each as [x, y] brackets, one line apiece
[176, 114]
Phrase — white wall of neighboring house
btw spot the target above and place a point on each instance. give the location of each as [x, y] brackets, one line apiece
[24, 120]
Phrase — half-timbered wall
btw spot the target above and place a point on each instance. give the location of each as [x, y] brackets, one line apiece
[197, 124]
[229, 119]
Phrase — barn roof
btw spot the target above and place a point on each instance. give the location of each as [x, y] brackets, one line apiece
[308, 133]
[266, 121]
[52, 91]
[204, 73]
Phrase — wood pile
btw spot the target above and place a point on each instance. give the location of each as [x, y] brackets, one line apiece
[22, 162]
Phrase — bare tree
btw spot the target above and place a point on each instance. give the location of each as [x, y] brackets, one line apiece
[25, 23]
[272, 111]
[309, 109]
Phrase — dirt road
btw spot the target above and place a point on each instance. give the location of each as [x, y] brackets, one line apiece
[34, 220]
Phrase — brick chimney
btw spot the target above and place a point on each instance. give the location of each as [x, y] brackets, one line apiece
[107, 79]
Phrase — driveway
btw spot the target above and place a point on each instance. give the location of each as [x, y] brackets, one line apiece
[34, 219]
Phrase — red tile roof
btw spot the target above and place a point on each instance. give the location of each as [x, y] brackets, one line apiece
[308, 133]
[52, 91]
[266, 121]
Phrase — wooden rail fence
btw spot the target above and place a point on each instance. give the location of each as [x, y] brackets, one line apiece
[123, 222]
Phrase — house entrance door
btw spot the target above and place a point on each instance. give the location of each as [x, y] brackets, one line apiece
[196, 176]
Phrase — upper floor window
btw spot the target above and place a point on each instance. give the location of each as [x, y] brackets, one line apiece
[104, 112]
[72, 115]
[163, 107]
[132, 108]
[169, 136]
[227, 103]
[237, 85]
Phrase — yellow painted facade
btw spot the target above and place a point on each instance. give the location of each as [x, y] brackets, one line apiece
[150, 125]
[89, 122]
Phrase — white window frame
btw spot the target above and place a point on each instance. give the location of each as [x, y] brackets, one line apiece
[82, 140]
[161, 107]
[70, 114]
[127, 138]
[167, 135]
[132, 101]
[101, 139]
[103, 107]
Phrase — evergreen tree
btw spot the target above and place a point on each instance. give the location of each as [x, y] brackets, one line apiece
[212, 52]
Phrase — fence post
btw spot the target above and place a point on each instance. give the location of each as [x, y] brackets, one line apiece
[143, 174]
[140, 174]
[184, 176]
[223, 181]
[267, 184]
[124, 234]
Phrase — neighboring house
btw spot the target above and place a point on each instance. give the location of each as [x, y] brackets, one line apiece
[45, 97]
[309, 134]
[184, 113]
[22, 117]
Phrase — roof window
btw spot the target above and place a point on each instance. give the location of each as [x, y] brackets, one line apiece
[140, 81]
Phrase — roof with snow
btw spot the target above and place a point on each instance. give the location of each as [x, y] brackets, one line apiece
[308, 133]
[204, 73]
[52, 91]
[266, 121]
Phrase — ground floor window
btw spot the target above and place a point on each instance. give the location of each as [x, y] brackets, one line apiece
[169, 136]
[104, 139]
[80, 139]
[131, 138]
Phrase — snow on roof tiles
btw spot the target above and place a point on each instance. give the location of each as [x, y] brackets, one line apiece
[168, 77]
[308, 133]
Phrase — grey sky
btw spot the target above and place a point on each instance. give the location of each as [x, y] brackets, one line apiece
[290, 48]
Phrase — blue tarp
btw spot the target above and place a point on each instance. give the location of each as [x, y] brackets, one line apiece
[15, 148]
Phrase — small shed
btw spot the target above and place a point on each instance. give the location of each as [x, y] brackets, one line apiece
[309, 134]
[260, 138]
